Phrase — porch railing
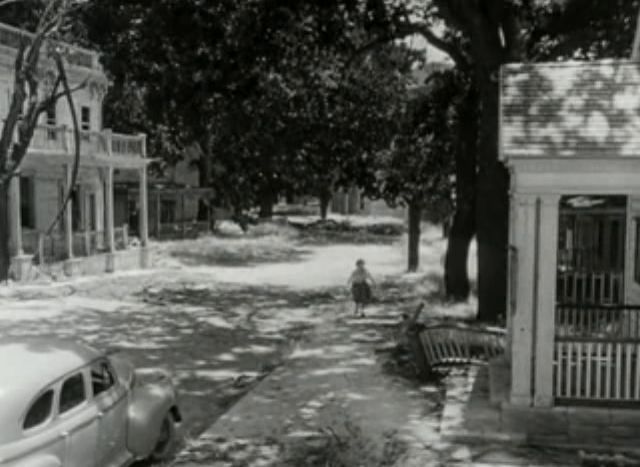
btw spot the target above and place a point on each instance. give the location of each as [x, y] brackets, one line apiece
[179, 229]
[597, 354]
[603, 287]
[12, 37]
[59, 138]
[51, 248]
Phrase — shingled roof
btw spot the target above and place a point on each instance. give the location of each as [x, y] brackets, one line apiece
[570, 109]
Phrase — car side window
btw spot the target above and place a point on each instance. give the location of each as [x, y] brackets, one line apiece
[101, 377]
[39, 411]
[72, 393]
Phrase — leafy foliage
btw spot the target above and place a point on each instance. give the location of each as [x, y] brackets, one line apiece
[418, 166]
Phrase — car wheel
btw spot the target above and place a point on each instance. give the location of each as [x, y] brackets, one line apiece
[166, 443]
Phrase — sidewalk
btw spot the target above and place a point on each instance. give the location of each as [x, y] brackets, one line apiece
[332, 402]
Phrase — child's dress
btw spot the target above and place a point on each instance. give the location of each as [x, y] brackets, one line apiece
[360, 287]
[361, 292]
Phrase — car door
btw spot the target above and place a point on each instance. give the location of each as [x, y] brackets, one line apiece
[77, 421]
[111, 400]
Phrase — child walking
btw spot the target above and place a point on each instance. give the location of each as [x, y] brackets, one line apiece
[359, 282]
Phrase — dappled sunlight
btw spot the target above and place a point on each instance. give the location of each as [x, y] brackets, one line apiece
[330, 371]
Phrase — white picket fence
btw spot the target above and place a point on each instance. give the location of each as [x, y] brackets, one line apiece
[596, 357]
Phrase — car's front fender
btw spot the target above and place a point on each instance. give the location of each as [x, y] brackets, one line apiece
[149, 403]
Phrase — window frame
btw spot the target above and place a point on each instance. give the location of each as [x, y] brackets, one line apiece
[50, 415]
[114, 377]
[83, 374]
[85, 123]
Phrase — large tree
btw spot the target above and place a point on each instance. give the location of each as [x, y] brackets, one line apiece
[417, 169]
[480, 36]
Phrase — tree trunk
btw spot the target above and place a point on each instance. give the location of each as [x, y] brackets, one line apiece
[491, 208]
[325, 198]
[324, 208]
[415, 215]
[463, 227]
[5, 254]
[266, 204]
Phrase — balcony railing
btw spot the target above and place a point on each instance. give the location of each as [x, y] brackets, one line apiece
[11, 37]
[60, 139]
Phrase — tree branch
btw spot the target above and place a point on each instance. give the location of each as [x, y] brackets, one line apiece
[76, 136]
[449, 48]
[407, 29]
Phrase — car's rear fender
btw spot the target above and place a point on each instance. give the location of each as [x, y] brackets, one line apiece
[149, 404]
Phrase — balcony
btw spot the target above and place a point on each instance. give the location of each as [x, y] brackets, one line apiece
[11, 37]
[60, 140]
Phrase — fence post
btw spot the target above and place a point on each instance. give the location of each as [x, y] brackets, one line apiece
[87, 242]
[125, 236]
[40, 248]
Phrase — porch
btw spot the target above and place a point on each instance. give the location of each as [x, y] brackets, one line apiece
[88, 228]
[175, 211]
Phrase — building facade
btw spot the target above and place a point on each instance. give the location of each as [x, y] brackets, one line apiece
[86, 239]
[569, 134]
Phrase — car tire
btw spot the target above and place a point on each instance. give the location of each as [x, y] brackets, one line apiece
[167, 439]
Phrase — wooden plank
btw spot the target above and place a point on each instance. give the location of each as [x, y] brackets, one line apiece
[627, 375]
[618, 372]
[609, 359]
[578, 385]
[588, 386]
[569, 370]
[598, 394]
[637, 378]
[559, 368]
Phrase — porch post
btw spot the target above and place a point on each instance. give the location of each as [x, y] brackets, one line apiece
[15, 216]
[108, 197]
[546, 299]
[143, 217]
[68, 220]
[157, 219]
[184, 217]
[523, 229]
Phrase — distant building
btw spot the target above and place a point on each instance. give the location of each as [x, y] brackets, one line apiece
[352, 201]
[178, 206]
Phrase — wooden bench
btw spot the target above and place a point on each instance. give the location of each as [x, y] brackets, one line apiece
[453, 342]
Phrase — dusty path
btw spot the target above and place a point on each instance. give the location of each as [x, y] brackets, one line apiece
[218, 329]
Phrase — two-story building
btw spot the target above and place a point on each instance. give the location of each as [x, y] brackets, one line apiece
[88, 239]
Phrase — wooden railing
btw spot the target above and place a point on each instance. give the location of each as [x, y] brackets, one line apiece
[180, 229]
[127, 145]
[453, 342]
[596, 355]
[53, 247]
[60, 139]
[604, 287]
[12, 37]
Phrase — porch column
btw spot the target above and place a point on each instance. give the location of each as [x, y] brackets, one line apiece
[143, 217]
[109, 202]
[15, 216]
[157, 218]
[546, 299]
[68, 220]
[522, 310]
[184, 216]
